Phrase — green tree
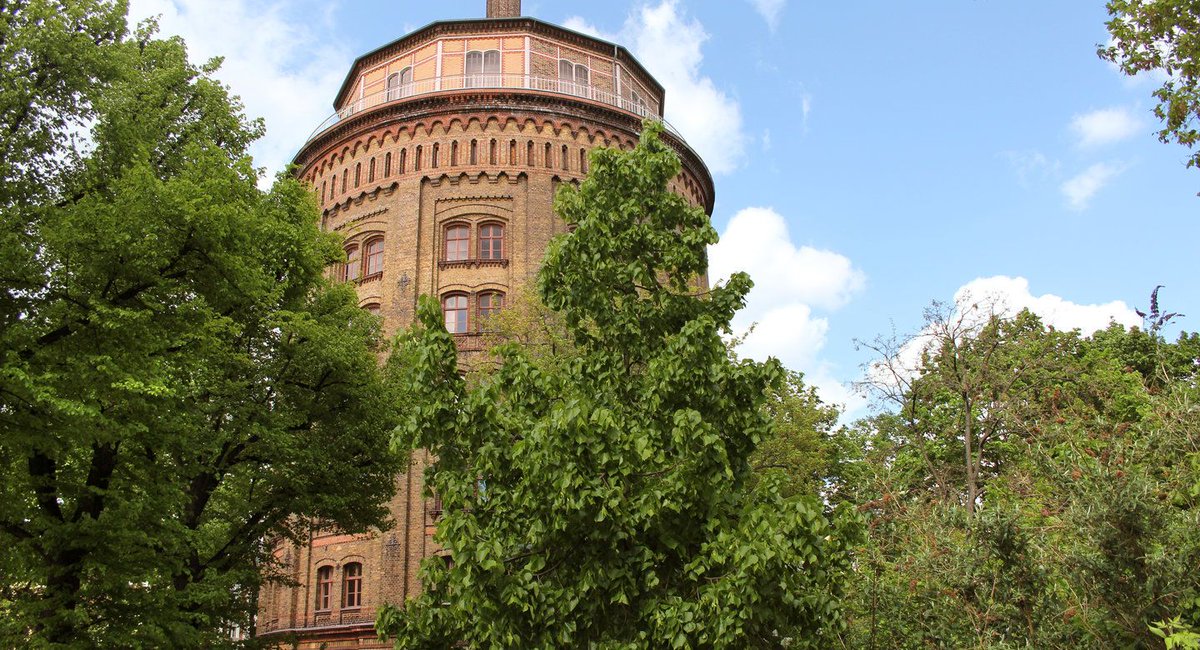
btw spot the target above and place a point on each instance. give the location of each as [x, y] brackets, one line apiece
[1162, 36]
[178, 382]
[604, 500]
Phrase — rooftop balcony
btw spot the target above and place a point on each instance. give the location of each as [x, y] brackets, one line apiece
[450, 84]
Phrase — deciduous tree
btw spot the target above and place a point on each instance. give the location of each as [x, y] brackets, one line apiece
[604, 500]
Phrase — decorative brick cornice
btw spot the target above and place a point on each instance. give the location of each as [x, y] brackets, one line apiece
[473, 264]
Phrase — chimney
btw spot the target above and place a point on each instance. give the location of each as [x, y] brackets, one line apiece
[503, 8]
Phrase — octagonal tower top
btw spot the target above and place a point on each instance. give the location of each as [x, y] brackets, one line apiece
[503, 8]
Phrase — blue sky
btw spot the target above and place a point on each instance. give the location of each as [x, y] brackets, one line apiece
[867, 160]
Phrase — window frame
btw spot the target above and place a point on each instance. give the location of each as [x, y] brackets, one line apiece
[462, 311]
[355, 580]
[495, 305]
[352, 268]
[460, 253]
[495, 242]
[483, 77]
[372, 257]
[324, 589]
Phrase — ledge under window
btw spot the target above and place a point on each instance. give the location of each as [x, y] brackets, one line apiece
[473, 264]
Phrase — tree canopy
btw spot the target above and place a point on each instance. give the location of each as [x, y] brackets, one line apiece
[605, 500]
[178, 382]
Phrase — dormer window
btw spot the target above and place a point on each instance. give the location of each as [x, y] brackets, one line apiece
[574, 78]
[483, 69]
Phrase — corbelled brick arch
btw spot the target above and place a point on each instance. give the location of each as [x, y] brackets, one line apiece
[439, 168]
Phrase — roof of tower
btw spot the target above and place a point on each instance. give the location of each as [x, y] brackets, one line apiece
[532, 25]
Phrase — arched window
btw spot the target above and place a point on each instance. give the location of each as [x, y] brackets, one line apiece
[433, 159]
[332, 187]
[345, 178]
[454, 153]
[399, 84]
[490, 304]
[549, 156]
[458, 238]
[474, 159]
[357, 174]
[374, 257]
[417, 159]
[454, 308]
[403, 160]
[583, 161]
[512, 152]
[491, 241]
[482, 69]
[324, 588]
[353, 264]
[322, 190]
[371, 171]
[573, 78]
[373, 308]
[492, 153]
[529, 154]
[352, 577]
[387, 164]
[566, 158]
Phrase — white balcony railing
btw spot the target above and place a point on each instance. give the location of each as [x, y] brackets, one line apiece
[507, 81]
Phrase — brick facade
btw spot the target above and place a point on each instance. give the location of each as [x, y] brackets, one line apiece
[403, 172]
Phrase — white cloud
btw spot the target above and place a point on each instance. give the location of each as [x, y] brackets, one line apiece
[1080, 188]
[1105, 126]
[1011, 295]
[770, 10]
[261, 43]
[669, 45]
[789, 283]
[974, 303]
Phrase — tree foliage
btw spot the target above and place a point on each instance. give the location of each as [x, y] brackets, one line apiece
[1084, 534]
[603, 500]
[1162, 36]
[178, 383]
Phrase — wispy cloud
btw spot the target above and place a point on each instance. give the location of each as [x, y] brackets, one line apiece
[1031, 165]
[1081, 188]
[1105, 126]
[770, 10]
[669, 44]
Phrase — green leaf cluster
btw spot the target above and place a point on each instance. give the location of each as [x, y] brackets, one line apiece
[605, 500]
[179, 385]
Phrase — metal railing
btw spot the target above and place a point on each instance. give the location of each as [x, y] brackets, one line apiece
[506, 81]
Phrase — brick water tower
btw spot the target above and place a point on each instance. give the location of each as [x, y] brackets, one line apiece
[439, 168]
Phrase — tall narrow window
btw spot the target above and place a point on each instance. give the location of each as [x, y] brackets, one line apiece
[492, 153]
[387, 164]
[332, 187]
[583, 161]
[454, 153]
[512, 152]
[345, 178]
[490, 304]
[324, 588]
[371, 171]
[433, 157]
[352, 576]
[322, 190]
[353, 264]
[417, 159]
[393, 87]
[491, 241]
[374, 257]
[482, 69]
[457, 243]
[474, 160]
[566, 158]
[403, 160]
[399, 85]
[454, 308]
[529, 154]
[357, 174]
[549, 156]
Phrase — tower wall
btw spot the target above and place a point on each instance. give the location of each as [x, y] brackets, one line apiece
[399, 174]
